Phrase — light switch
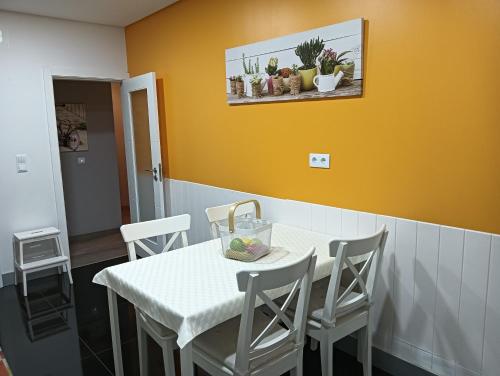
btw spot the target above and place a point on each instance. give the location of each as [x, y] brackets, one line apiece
[319, 160]
[80, 160]
[21, 163]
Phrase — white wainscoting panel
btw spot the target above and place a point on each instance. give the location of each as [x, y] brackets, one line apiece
[437, 304]
[491, 352]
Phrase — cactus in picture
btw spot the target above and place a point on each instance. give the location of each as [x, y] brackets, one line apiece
[308, 52]
[250, 69]
[272, 66]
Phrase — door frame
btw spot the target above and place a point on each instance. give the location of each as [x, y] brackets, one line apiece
[48, 76]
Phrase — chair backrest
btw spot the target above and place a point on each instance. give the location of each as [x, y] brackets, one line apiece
[134, 233]
[365, 278]
[219, 213]
[255, 283]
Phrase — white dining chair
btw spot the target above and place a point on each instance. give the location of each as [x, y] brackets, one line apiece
[336, 312]
[219, 213]
[254, 344]
[133, 234]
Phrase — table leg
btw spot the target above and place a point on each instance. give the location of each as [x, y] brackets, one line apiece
[115, 332]
[187, 366]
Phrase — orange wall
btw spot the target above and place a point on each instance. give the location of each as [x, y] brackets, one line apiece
[422, 143]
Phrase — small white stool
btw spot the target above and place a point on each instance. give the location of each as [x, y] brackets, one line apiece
[37, 250]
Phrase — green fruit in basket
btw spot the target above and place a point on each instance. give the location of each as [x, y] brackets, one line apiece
[237, 245]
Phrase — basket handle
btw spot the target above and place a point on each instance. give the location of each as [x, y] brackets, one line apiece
[232, 210]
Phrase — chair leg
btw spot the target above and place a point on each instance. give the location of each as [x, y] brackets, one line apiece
[326, 356]
[142, 342]
[25, 285]
[314, 344]
[168, 358]
[68, 269]
[367, 353]
[300, 363]
[361, 343]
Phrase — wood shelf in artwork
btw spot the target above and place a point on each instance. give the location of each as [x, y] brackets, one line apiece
[353, 90]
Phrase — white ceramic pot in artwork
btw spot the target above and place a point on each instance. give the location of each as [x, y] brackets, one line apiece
[327, 82]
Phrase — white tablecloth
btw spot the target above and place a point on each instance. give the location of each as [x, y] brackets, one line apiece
[193, 289]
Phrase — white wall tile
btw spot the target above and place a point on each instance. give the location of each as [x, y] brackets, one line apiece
[442, 366]
[334, 221]
[349, 223]
[367, 224]
[424, 299]
[447, 334]
[477, 247]
[491, 353]
[298, 214]
[318, 218]
[404, 278]
[384, 303]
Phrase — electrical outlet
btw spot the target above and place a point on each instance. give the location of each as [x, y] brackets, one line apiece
[21, 163]
[319, 160]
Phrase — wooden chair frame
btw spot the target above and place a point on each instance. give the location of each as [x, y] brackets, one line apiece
[342, 317]
[132, 235]
[248, 349]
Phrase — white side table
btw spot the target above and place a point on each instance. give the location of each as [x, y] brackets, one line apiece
[37, 250]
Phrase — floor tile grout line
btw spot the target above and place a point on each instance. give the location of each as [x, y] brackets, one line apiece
[94, 355]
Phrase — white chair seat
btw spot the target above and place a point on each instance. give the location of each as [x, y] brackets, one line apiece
[317, 301]
[158, 328]
[219, 343]
[318, 296]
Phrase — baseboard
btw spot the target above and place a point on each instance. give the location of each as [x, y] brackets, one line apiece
[382, 360]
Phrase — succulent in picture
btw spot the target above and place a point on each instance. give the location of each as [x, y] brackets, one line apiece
[238, 79]
[256, 79]
[232, 78]
[285, 72]
[308, 52]
[272, 66]
[295, 70]
[329, 59]
[250, 69]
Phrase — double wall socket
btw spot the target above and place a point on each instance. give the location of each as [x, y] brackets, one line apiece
[319, 160]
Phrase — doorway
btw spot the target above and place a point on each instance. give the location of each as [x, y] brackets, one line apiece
[93, 168]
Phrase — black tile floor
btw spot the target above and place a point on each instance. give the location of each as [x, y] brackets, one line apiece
[63, 330]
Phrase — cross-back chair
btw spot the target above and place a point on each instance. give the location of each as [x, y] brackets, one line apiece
[334, 311]
[253, 343]
[133, 234]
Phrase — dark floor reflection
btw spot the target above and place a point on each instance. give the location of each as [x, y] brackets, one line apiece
[63, 330]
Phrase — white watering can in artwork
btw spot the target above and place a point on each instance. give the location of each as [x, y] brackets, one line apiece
[327, 82]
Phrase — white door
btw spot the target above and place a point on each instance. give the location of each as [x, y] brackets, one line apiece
[143, 152]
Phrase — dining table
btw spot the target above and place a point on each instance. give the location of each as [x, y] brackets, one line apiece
[193, 289]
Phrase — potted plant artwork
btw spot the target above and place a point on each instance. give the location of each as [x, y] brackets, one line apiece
[285, 74]
[240, 87]
[308, 52]
[271, 70]
[295, 80]
[256, 83]
[250, 70]
[327, 81]
[348, 69]
[232, 83]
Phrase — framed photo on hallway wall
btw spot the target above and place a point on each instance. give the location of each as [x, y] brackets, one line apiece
[320, 63]
[72, 127]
